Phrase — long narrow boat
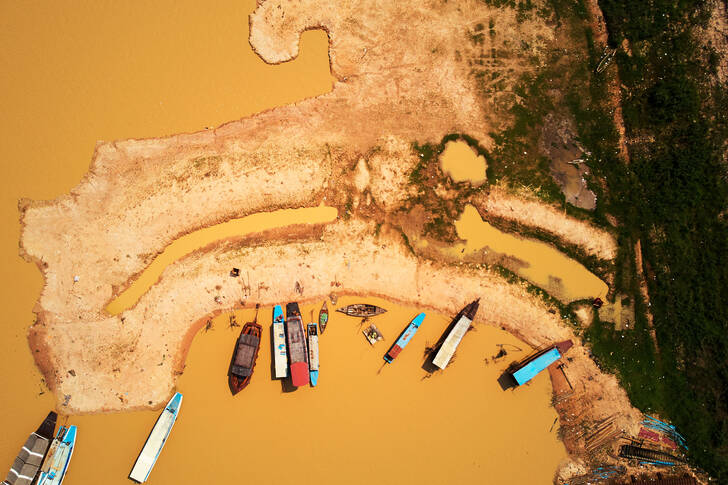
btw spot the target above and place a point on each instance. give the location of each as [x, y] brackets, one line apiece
[404, 338]
[156, 440]
[313, 353]
[323, 317]
[55, 465]
[297, 352]
[26, 464]
[530, 367]
[244, 357]
[460, 325]
[280, 354]
[362, 310]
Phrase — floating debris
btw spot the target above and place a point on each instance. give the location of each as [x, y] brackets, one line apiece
[372, 334]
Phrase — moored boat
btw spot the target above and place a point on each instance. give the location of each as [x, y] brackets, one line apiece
[460, 325]
[363, 310]
[156, 440]
[297, 352]
[404, 338]
[313, 353]
[323, 317]
[527, 369]
[27, 463]
[280, 354]
[244, 357]
[55, 465]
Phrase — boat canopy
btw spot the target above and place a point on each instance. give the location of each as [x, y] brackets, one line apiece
[529, 371]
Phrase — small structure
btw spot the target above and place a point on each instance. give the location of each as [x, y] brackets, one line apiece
[372, 334]
[235, 272]
[520, 373]
[646, 455]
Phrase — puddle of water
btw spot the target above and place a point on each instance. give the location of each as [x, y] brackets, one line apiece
[188, 243]
[356, 424]
[545, 266]
[462, 163]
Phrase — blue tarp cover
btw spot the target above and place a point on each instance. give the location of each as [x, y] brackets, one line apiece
[529, 371]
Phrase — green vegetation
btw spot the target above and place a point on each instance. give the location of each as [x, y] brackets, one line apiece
[671, 197]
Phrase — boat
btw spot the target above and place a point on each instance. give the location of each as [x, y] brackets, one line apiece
[296, 340]
[527, 369]
[244, 357]
[323, 317]
[313, 353]
[280, 354]
[27, 463]
[156, 440]
[363, 310]
[460, 325]
[404, 338]
[59, 455]
[372, 334]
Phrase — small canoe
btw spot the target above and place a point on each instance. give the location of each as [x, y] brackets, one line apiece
[362, 310]
[456, 332]
[244, 357]
[156, 440]
[313, 353]
[59, 455]
[280, 352]
[28, 462]
[297, 351]
[404, 338]
[323, 318]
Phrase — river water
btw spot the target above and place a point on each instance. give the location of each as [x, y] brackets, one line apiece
[77, 72]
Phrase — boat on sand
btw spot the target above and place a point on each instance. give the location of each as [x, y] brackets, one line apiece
[362, 310]
[297, 352]
[156, 440]
[55, 465]
[244, 357]
[323, 317]
[404, 338]
[313, 353]
[26, 464]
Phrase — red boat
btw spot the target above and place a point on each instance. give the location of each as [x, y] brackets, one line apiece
[297, 350]
[244, 357]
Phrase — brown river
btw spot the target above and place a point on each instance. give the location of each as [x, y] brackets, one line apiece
[77, 72]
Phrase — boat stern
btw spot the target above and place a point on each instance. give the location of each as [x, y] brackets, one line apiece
[314, 374]
[299, 374]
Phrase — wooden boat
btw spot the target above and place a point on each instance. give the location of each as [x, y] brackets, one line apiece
[460, 325]
[362, 310]
[280, 353]
[156, 440]
[244, 357]
[297, 352]
[404, 338]
[372, 334]
[55, 465]
[313, 353]
[323, 317]
[27, 463]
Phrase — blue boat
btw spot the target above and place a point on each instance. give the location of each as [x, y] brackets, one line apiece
[156, 440]
[59, 455]
[531, 367]
[404, 338]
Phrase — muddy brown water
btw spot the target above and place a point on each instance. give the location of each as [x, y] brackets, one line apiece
[462, 163]
[78, 72]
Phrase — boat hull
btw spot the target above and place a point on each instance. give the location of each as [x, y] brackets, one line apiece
[361, 310]
[454, 337]
[238, 380]
[156, 440]
[297, 351]
[55, 467]
[404, 338]
[313, 353]
[323, 318]
[26, 465]
[280, 352]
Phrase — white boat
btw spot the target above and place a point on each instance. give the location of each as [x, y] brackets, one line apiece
[460, 325]
[153, 447]
[280, 354]
[313, 354]
[55, 465]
